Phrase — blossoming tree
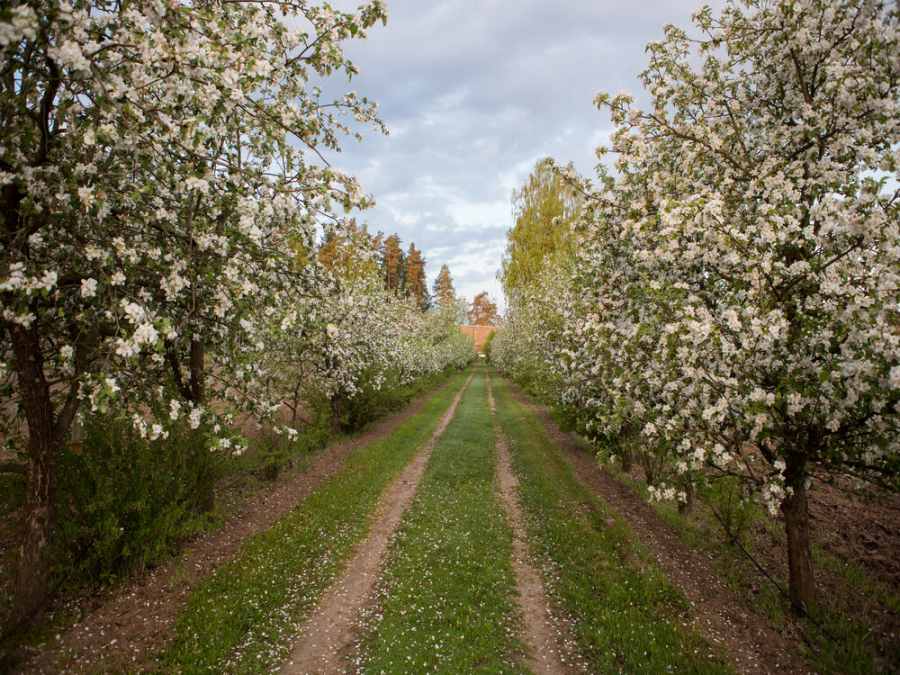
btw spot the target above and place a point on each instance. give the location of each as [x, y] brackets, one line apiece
[155, 190]
[762, 250]
[739, 277]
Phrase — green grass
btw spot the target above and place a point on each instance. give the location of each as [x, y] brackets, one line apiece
[625, 616]
[242, 618]
[445, 596]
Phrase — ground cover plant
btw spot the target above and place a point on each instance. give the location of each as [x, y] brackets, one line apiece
[622, 613]
[444, 598]
[241, 620]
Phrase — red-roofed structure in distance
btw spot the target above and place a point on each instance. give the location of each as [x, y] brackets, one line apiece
[479, 333]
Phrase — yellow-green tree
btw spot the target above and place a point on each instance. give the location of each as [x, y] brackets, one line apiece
[544, 211]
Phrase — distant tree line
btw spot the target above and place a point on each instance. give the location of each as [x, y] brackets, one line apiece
[401, 271]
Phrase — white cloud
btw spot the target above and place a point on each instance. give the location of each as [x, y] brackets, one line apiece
[474, 92]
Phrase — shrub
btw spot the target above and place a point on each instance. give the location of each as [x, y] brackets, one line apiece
[126, 502]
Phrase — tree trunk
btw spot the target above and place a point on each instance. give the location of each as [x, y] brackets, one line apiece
[197, 371]
[336, 413]
[626, 437]
[801, 585]
[34, 558]
[687, 506]
[627, 460]
[43, 459]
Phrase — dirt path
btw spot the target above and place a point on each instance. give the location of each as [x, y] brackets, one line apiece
[131, 629]
[328, 634]
[747, 639]
[541, 633]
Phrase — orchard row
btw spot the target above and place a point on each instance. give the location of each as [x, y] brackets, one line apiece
[158, 229]
[726, 301]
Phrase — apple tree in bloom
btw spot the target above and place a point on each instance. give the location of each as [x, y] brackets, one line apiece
[744, 264]
[355, 337]
[154, 191]
[530, 349]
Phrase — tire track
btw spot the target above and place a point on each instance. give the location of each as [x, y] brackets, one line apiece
[540, 634]
[136, 623]
[329, 632]
[747, 639]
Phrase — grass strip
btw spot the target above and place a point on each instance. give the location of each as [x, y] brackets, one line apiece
[445, 596]
[243, 617]
[624, 615]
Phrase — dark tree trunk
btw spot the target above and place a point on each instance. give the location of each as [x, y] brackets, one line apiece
[801, 585]
[687, 506]
[336, 413]
[625, 440]
[627, 460]
[43, 458]
[197, 366]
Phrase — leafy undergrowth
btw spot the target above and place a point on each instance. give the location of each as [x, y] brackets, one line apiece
[445, 594]
[622, 612]
[840, 639]
[241, 619]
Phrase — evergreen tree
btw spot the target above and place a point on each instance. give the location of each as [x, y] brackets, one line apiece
[392, 263]
[414, 277]
[444, 293]
[349, 251]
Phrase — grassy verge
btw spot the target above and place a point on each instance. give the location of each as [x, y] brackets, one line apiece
[624, 615]
[240, 620]
[445, 594]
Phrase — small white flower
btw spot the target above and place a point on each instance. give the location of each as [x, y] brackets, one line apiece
[194, 183]
[88, 288]
[894, 377]
[86, 195]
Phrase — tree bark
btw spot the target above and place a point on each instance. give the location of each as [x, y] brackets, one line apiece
[687, 506]
[626, 436]
[197, 366]
[801, 585]
[336, 413]
[627, 460]
[43, 459]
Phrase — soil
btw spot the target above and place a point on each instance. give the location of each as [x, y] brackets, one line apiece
[328, 634]
[864, 531]
[135, 624]
[545, 638]
[745, 638]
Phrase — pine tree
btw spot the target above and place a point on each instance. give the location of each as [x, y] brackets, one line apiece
[414, 277]
[444, 293]
[392, 263]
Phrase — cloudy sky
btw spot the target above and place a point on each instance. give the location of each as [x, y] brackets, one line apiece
[474, 92]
